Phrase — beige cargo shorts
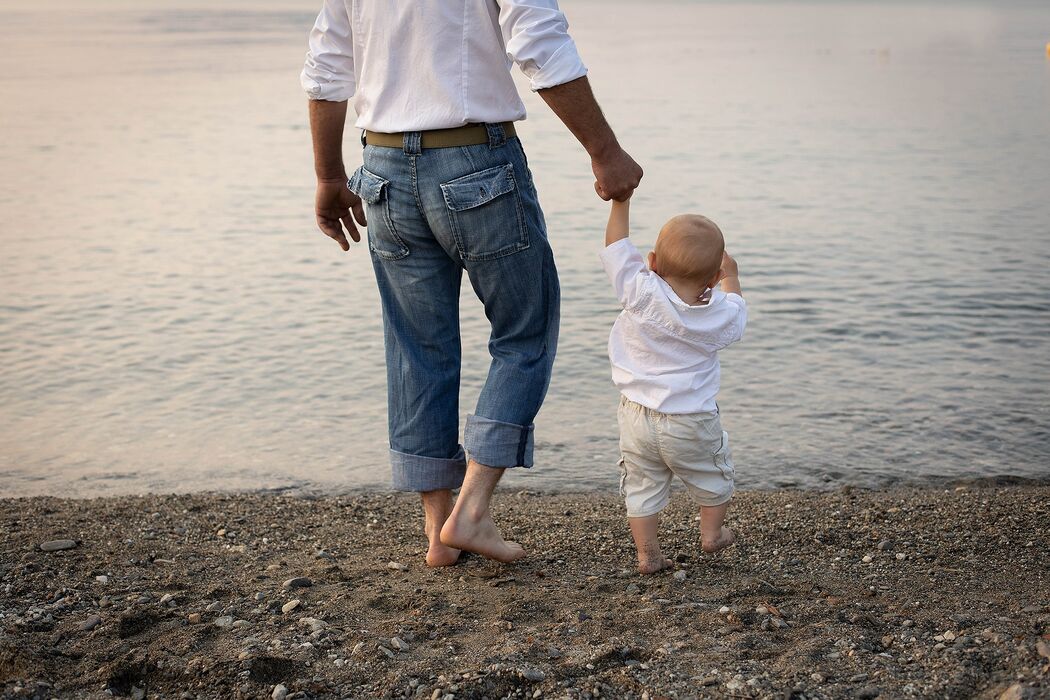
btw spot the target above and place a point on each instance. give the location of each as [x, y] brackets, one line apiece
[654, 447]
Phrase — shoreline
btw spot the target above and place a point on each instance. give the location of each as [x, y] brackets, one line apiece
[906, 592]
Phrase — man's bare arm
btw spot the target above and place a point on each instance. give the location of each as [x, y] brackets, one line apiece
[334, 202]
[616, 173]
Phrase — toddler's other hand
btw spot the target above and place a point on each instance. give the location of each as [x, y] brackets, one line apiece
[729, 268]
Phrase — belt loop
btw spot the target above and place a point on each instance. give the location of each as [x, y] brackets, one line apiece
[413, 143]
[497, 136]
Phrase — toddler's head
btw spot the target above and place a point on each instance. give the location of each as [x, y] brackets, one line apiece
[688, 254]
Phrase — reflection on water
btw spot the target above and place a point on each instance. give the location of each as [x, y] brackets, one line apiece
[171, 320]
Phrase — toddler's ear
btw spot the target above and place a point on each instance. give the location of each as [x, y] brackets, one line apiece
[652, 261]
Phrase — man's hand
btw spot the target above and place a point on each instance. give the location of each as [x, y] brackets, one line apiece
[616, 174]
[333, 205]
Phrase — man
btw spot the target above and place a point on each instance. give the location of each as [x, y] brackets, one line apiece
[447, 189]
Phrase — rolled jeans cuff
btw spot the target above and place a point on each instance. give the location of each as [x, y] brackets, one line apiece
[497, 444]
[417, 473]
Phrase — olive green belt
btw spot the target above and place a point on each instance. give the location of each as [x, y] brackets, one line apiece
[469, 135]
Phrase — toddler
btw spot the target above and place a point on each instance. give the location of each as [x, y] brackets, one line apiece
[664, 354]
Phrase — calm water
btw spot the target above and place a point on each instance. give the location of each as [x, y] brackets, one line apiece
[171, 320]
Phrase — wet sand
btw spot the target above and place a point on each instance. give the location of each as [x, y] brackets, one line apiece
[861, 594]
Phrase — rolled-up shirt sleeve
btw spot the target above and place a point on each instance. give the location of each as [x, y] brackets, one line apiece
[536, 35]
[329, 70]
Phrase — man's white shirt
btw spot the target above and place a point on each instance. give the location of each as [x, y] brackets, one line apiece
[413, 65]
[663, 351]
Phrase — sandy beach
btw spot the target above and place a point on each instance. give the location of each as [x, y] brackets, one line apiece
[862, 594]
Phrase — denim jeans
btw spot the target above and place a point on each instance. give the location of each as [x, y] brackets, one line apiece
[432, 214]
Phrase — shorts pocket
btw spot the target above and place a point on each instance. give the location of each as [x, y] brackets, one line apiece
[723, 457]
[375, 192]
[485, 213]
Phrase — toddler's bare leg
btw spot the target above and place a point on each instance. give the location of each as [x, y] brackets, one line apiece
[646, 533]
[714, 536]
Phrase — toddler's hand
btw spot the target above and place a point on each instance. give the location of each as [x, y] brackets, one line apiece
[729, 268]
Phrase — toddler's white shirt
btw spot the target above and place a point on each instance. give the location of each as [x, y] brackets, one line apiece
[664, 352]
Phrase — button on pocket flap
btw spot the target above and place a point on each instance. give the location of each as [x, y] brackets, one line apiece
[367, 185]
[478, 188]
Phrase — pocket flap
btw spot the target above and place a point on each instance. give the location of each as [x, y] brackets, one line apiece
[367, 185]
[478, 188]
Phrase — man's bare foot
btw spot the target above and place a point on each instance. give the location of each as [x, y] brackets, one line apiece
[436, 508]
[725, 538]
[652, 566]
[439, 554]
[479, 535]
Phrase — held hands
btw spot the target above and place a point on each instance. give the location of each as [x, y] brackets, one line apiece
[616, 174]
[333, 205]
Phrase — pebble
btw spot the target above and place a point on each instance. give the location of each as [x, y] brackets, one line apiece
[260, 597]
[866, 559]
[884, 545]
[397, 566]
[949, 636]
[679, 576]
[399, 644]
[633, 589]
[533, 675]
[868, 692]
[290, 605]
[900, 556]
[213, 606]
[554, 653]
[103, 579]
[57, 545]
[762, 610]
[357, 648]
[90, 623]
[280, 692]
[388, 652]
[193, 618]
[313, 623]
[724, 609]
[241, 624]
[297, 582]
[438, 692]
[165, 598]
[224, 621]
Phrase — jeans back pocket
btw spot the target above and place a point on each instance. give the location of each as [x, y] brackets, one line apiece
[485, 214]
[375, 192]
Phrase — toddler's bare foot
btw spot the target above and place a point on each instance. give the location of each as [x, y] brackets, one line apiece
[723, 539]
[480, 536]
[652, 566]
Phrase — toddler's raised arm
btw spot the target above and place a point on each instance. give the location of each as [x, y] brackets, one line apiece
[619, 226]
